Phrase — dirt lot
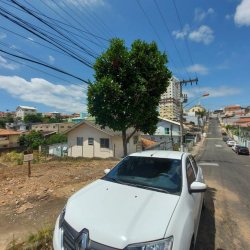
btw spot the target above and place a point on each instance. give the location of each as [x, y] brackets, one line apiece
[27, 204]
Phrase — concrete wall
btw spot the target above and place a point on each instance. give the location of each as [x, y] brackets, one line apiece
[52, 127]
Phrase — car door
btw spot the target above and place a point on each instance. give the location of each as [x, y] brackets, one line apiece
[196, 197]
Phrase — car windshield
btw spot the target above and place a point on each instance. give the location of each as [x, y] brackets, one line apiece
[160, 174]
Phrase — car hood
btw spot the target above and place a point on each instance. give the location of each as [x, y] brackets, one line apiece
[117, 215]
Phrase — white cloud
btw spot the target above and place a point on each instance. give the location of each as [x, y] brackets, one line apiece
[220, 91]
[242, 14]
[181, 34]
[68, 98]
[197, 68]
[2, 35]
[204, 34]
[51, 59]
[200, 14]
[6, 65]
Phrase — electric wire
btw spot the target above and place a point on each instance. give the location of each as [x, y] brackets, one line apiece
[156, 33]
[170, 36]
[30, 12]
[42, 35]
[45, 65]
[185, 40]
[44, 72]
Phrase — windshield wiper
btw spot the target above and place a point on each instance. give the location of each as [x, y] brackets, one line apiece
[112, 179]
[145, 187]
[153, 188]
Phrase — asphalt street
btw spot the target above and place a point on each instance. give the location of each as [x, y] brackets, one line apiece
[225, 222]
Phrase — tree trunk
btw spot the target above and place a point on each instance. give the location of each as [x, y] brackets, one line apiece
[124, 142]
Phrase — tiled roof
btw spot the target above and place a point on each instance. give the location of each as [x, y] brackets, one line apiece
[9, 132]
[106, 130]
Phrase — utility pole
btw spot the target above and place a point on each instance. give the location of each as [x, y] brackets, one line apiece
[183, 99]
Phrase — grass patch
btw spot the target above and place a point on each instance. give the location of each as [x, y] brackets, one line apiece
[42, 240]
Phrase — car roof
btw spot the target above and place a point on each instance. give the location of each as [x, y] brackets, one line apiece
[160, 154]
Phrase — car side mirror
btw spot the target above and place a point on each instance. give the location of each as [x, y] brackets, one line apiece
[197, 187]
[106, 171]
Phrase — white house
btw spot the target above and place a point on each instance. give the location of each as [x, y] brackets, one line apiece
[167, 131]
[86, 139]
[21, 111]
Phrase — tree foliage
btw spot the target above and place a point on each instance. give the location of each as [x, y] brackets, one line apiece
[33, 118]
[8, 119]
[32, 140]
[56, 138]
[127, 87]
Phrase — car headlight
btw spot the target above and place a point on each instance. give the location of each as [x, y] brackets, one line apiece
[165, 244]
[61, 217]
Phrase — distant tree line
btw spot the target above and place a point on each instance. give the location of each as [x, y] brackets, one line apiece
[39, 118]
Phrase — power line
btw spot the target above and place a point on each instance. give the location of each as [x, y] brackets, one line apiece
[50, 26]
[185, 40]
[156, 33]
[78, 16]
[44, 72]
[169, 33]
[68, 24]
[25, 25]
[44, 64]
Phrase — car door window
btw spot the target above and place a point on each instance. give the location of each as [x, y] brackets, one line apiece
[194, 165]
[190, 173]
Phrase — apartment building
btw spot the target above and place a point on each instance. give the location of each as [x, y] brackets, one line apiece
[169, 105]
[21, 111]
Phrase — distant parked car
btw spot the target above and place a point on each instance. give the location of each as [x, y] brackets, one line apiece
[235, 147]
[241, 150]
[230, 143]
[225, 138]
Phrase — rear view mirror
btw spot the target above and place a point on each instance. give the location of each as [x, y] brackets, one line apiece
[198, 187]
[106, 171]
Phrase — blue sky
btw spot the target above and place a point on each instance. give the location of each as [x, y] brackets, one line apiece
[217, 34]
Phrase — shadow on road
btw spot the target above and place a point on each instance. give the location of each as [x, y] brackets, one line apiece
[206, 233]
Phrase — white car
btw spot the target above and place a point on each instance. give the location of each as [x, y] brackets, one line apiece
[231, 143]
[150, 200]
[235, 146]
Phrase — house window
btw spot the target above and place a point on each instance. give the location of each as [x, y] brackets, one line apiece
[62, 126]
[91, 141]
[79, 141]
[135, 139]
[166, 131]
[104, 143]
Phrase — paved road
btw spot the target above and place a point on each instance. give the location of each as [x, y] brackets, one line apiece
[225, 223]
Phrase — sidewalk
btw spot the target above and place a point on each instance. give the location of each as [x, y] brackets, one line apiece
[197, 148]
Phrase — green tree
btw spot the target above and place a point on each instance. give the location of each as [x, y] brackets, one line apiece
[32, 140]
[33, 118]
[127, 87]
[56, 138]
